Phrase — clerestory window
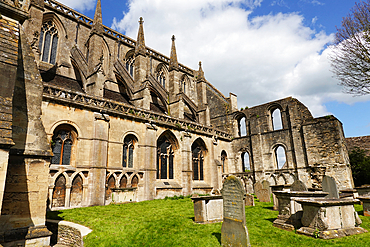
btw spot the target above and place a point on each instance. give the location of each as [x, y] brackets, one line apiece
[130, 65]
[48, 43]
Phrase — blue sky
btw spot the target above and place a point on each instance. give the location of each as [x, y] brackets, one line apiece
[261, 50]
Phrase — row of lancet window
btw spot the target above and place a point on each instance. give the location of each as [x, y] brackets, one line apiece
[275, 119]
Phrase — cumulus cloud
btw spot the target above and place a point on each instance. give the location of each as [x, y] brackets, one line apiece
[260, 58]
[80, 5]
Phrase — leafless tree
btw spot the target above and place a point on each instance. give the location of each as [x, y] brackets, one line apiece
[350, 59]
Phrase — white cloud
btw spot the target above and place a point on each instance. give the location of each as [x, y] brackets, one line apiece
[80, 5]
[261, 59]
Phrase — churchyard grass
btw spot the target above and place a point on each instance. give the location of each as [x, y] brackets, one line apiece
[170, 223]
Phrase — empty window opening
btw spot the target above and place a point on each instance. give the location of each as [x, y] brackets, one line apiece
[280, 157]
[276, 119]
[242, 127]
[223, 160]
[246, 162]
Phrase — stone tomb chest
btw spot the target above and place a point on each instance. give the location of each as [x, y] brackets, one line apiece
[207, 209]
[290, 212]
[328, 218]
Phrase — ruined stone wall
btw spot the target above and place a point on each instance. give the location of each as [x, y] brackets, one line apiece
[362, 142]
[313, 147]
[219, 109]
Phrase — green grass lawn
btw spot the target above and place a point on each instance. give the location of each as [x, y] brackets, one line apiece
[170, 223]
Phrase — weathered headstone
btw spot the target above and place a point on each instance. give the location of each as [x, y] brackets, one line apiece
[234, 232]
[266, 185]
[262, 193]
[298, 185]
[329, 185]
[249, 200]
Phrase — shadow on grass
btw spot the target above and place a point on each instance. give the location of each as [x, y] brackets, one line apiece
[54, 215]
[191, 218]
[271, 208]
[271, 220]
[218, 236]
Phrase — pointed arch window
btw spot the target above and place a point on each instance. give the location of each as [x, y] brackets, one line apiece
[280, 156]
[242, 127]
[165, 157]
[161, 78]
[62, 143]
[130, 61]
[128, 151]
[277, 122]
[246, 166]
[198, 161]
[223, 160]
[48, 42]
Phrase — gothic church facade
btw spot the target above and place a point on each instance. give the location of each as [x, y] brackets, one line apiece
[90, 116]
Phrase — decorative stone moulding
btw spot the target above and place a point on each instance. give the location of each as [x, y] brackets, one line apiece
[208, 209]
[290, 212]
[329, 218]
[366, 204]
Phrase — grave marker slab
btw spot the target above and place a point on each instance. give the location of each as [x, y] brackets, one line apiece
[329, 185]
[298, 185]
[234, 232]
[262, 191]
[249, 200]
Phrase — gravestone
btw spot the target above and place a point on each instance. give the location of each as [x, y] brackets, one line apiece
[234, 232]
[262, 191]
[298, 185]
[329, 185]
[249, 200]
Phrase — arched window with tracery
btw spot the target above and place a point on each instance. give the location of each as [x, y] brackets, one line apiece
[130, 61]
[277, 122]
[161, 78]
[48, 42]
[280, 157]
[161, 74]
[223, 160]
[165, 157]
[198, 151]
[128, 151]
[62, 144]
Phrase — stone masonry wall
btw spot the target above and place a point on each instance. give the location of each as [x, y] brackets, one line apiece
[362, 142]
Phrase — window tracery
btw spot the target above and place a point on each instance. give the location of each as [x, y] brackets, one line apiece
[62, 143]
[198, 161]
[48, 42]
[165, 157]
[161, 78]
[130, 61]
[128, 151]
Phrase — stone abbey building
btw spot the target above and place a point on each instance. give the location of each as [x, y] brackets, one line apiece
[89, 116]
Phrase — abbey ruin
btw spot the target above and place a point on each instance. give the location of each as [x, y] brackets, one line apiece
[89, 116]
